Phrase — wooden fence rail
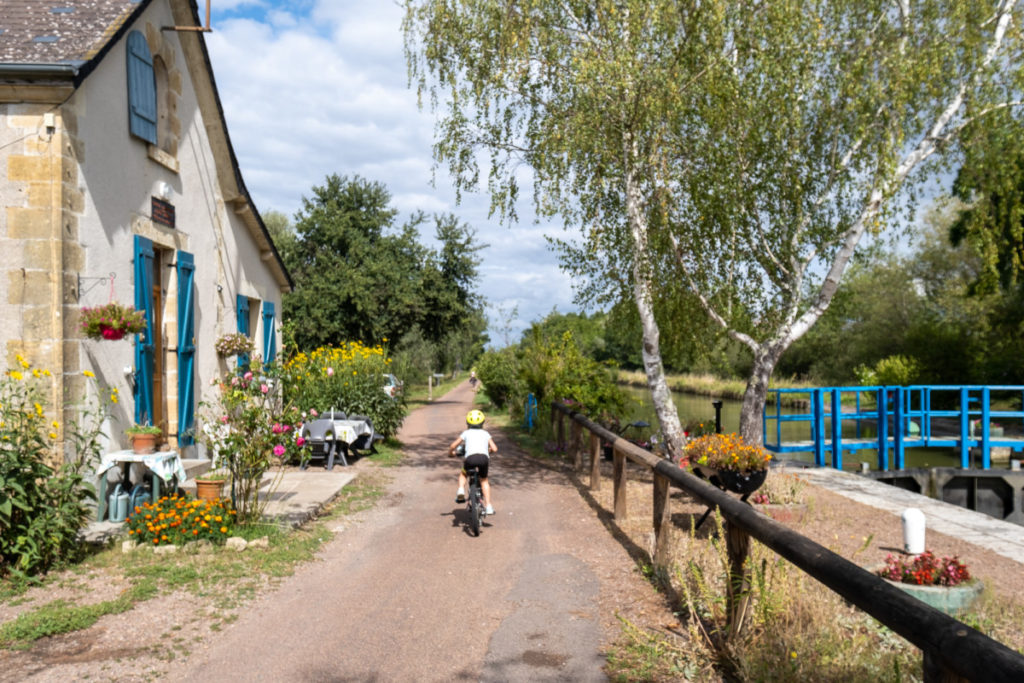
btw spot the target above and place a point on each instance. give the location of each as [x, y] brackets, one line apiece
[952, 650]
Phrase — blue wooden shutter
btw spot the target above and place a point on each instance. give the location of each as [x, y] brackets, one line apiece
[186, 347]
[142, 111]
[144, 342]
[242, 309]
[269, 338]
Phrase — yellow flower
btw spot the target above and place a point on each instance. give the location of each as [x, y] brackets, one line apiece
[15, 374]
[46, 373]
[36, 373]
[88, 373]
[53, 435]
[39, 409]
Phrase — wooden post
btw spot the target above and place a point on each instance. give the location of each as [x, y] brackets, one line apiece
[737, 543]
[619, 476]
[595, 462]
[662, 521]
[430, 386]
[576, 438]
[554, 417]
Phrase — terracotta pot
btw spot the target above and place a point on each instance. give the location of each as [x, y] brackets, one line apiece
[144, 443]
[209, 489]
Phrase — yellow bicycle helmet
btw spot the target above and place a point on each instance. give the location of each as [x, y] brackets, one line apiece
[474, 418]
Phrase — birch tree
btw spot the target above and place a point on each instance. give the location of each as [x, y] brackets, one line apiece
[742, 149]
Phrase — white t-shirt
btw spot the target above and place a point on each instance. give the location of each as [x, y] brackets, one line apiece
[477, 441]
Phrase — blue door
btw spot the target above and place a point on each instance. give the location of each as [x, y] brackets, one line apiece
[186, 348]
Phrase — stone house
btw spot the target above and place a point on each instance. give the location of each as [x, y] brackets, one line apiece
[118, 181]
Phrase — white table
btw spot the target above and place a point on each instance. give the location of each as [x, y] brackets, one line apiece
[165, 465]
[334, 434]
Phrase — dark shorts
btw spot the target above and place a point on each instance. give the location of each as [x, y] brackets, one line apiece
[478, 462]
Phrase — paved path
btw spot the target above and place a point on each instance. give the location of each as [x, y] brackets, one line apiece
[1004, 538]
[409, 595]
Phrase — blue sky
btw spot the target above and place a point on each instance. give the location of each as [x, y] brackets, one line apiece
[316, 87]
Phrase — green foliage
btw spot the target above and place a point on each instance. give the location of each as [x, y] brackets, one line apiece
[42, 508]
[348, 378]
[499, 373]
[550, 370]
[358, 276]
[890, 371]
[249, 428]
[175, 520]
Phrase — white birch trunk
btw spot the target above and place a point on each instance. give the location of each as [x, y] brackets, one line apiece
[661, 397]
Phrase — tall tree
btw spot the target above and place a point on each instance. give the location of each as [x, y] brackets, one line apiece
[742, 149]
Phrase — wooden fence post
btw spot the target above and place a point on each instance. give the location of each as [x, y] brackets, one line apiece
[619, 468]
[576, 446]
[737, 543]
[662, 521]
[595, 462]
[555, 415]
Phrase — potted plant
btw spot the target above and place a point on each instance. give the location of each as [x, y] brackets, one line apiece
[945, 584]
[112, 321]
[728, 462]
[782, 498]
[143, 437]
[210, 485]
[234, 344]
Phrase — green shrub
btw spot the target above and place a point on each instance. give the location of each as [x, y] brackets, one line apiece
[499, 373]
[349, 378]
[895, 370]
[42, 508]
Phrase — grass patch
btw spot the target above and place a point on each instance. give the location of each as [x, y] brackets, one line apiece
[418, 394]
[229, 579]
[709, 385]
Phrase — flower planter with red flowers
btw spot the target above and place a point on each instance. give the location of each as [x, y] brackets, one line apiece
[112, 321]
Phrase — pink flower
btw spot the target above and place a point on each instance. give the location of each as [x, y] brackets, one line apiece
[313, 412]
[330, 372]
[279, 450]
[247, 376]
[299, 441]
[224, 419]
[264, 388]
[277, 429]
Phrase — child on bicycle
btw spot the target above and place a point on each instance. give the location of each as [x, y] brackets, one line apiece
[479, 446]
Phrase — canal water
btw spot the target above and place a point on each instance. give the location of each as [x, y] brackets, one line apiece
[693, 408]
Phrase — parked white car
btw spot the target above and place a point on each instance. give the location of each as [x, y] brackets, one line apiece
[392, 387]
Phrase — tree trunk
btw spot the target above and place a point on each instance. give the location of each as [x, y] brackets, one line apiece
[751, 412]
[661, 397]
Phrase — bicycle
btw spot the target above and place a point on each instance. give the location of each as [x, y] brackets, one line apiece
[475, 501]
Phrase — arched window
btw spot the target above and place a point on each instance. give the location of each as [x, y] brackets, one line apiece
[142, 109]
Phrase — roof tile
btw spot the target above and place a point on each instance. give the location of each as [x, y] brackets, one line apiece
[58, 31]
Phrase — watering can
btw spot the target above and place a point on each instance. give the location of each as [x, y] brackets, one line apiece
[118, 504]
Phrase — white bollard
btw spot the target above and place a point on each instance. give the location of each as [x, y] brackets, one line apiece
[913, 531]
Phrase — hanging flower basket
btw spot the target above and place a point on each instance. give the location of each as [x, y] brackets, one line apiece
[112, 321]
[234, 344]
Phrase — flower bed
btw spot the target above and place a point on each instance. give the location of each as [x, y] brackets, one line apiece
[174, 520]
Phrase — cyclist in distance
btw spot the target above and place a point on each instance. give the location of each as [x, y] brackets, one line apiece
[479, 446]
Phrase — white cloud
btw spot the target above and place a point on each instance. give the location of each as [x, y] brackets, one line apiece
[315, 88]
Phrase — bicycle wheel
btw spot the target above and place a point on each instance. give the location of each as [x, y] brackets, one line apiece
[476, 512]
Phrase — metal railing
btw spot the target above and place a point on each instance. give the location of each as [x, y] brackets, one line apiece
[952, 650]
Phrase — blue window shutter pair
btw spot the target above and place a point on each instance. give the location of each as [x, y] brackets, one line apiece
[269, 338]
[242, 310]
[142, 109]
[144, 341]
[186, 347]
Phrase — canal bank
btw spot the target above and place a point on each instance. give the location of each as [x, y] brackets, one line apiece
[1003, 538]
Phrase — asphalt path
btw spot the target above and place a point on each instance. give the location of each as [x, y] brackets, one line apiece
[408, 594]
